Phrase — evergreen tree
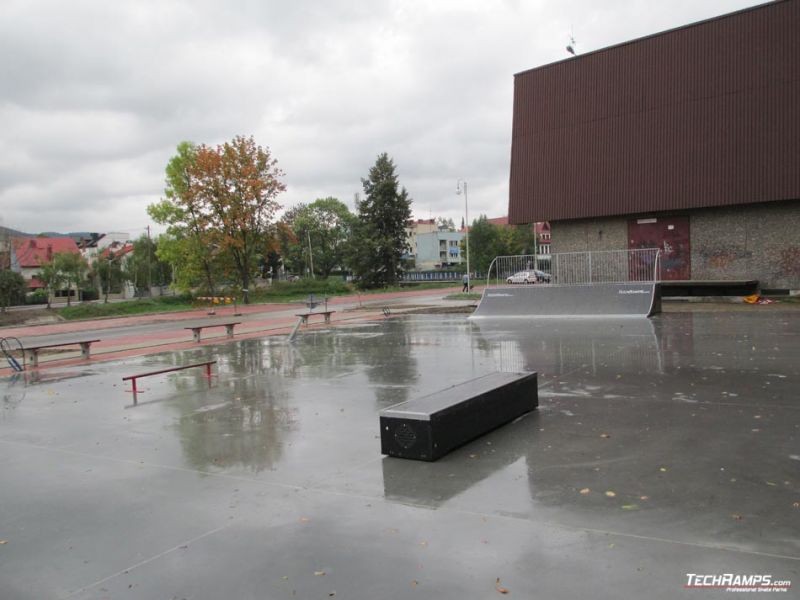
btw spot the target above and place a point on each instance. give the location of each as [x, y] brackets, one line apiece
[379, 240]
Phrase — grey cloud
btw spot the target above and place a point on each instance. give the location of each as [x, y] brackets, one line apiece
[97, 94]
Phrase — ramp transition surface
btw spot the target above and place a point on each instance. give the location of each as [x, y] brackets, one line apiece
[591, 300]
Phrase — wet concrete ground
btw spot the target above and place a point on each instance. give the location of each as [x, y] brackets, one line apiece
[661, 447]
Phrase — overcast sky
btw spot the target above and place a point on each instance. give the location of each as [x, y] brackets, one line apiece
[95, 95]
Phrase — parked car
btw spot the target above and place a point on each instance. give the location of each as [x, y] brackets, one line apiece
[532, 276]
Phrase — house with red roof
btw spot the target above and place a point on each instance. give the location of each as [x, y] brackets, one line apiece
[29, 254]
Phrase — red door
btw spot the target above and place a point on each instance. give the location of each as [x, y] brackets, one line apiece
[671, 235]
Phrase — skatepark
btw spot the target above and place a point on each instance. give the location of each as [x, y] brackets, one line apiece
[661, 447]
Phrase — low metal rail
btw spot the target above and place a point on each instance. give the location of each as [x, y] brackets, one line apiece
[132, 378]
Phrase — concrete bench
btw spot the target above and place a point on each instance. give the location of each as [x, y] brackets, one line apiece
[196, 329]
[325, 313]
[34, 350]
[429, 427]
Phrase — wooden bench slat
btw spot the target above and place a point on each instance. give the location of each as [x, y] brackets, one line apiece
[196, 329]
[34, 350]
[42, 346]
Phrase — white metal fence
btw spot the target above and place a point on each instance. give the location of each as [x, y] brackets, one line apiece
[577, 268]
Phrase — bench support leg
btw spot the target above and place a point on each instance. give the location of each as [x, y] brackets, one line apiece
[208, 371]
[35, 358]
[327, 317]
[229, 330]
[85, 350]
[134, 390]
[196, 335]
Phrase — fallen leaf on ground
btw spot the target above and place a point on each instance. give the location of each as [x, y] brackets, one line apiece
[644, 497]
[304, 519]
[663, 469]
[605, 435]
[737, 517]
[630, 507]
[414, 583]
[611, 494]
[770, 483]
[319, 573]
[2, 542]
[796, 505]
[585, 491]
[499, 587]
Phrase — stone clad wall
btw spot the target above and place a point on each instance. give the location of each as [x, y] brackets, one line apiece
[757, 241]
[754, 241]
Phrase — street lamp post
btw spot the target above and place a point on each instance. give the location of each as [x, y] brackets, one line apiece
[466, 226]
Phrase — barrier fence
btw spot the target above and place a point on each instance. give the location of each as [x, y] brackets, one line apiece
[577, 268]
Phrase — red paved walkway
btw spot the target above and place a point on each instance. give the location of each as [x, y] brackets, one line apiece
[257, 321]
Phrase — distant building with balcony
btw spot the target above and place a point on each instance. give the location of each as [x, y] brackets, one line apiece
[439, 249]
[415, 228]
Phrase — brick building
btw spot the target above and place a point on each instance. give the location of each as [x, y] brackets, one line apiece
[687, 140]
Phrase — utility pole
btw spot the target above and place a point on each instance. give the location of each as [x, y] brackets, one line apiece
[466, 228]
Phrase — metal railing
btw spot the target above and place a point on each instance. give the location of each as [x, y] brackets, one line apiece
[577, 268]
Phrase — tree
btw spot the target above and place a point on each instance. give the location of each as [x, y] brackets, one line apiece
[238, 182]
[379, 238]
[485, 243]
[109, 271]
[73, 268]
[188, 245]
[12, 288]
[221, 202]
[145, 266]
[322, 231]
[445, 224]
[51, 277]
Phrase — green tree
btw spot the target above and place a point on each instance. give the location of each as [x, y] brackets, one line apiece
[379, 237]
[51, 277]
[12, 288]
[485, 243]
[189, 243]
[145, 266]
[294, 252]
[322, 231]
[109, 271]
[73, 269]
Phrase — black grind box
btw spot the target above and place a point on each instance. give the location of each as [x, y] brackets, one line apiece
[429, 427]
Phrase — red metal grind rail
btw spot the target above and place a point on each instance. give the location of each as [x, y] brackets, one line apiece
[132, 378]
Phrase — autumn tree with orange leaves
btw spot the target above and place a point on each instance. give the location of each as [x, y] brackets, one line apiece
[230, 191]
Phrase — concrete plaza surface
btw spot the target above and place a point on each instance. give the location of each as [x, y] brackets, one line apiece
[661, 447]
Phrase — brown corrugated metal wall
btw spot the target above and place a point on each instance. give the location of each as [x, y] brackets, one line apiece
[706, 115]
